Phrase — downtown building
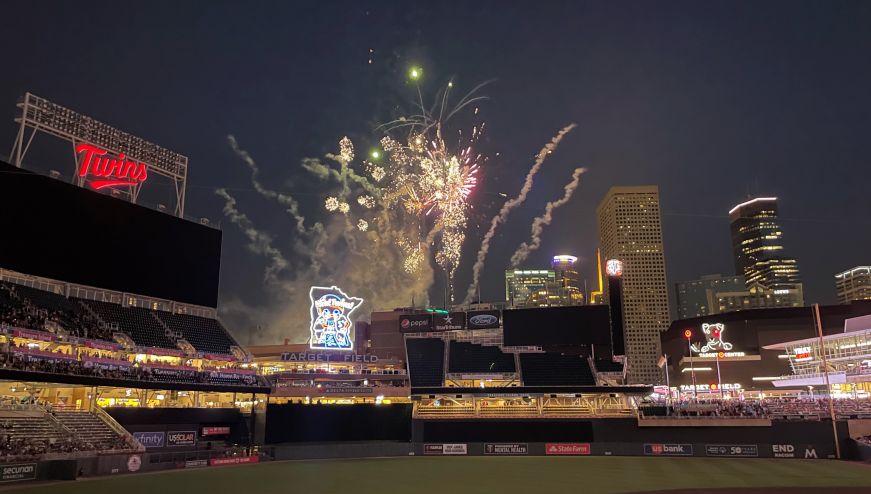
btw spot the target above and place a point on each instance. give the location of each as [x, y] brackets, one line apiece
[630, 230]
[854, 284]
[717, 294]
[757, 246]
[558, 286]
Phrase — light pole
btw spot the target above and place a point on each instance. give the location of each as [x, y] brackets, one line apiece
[688, 334]
[719, 381]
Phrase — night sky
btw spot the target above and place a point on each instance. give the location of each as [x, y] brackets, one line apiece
[709, 100]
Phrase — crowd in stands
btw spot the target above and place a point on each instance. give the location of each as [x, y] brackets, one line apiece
[767, 407]
[28, 308]
[123, 370]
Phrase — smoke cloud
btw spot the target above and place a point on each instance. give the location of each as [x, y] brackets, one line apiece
[539, 223]
[502, 216]
[333, 251]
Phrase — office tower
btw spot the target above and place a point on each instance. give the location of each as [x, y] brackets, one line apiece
[567, 279]
[630, 230]
[854, 284]
[528, 287]
[757, 244]
[697, 298]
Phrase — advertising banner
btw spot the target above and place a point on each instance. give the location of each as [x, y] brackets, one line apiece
[506, 449]
[658, 449]
[181, 438]
[215, 431]
[453, 321]
[445, 449]
[567, 449]
[195, 464]
[20, 471]
[150, 439]
[347, 390]
[415, 323]
[483, 319]
[235, 460]
[742, 450]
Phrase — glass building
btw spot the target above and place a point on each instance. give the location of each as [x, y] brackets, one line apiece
[757, 244]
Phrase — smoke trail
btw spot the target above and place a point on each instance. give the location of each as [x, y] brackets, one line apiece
[539, 223]
[502, 216]
[286, 200]
[258, 241]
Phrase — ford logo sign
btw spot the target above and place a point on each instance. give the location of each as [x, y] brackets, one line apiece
[483, 320]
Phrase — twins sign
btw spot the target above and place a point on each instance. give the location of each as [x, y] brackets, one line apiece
[331, 322]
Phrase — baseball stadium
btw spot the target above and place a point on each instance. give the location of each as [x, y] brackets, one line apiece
[116, 374]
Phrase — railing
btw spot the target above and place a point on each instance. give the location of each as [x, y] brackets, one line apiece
[118, 428]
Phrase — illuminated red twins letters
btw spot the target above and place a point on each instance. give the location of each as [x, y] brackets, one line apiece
[114, 171]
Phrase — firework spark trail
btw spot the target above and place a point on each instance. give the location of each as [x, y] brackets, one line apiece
[258, 241]
[539, 223]
[286, 200]
[502, 216]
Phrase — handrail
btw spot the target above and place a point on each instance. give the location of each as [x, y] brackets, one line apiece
[118, 428]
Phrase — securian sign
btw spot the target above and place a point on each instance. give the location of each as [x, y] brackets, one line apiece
[111, 171]
[331, 323]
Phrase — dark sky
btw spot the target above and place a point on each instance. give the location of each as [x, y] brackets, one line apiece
[709, 100]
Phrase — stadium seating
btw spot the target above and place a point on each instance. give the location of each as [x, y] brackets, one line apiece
[68, 314]
[206, 335]
[89, 427]
[469, 357]
[426, 361]
[550, 369]
[138, 323]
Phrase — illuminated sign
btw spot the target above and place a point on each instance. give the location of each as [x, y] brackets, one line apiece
[711, 387]
[614, 267]
[331, 324]
[721, 354]
[687, 333]
[565, 258]
[714, 334]
[803, 354]
[326, 357]
[117, 171]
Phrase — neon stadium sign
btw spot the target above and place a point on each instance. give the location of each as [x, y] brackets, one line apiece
[109, 171]
[331, 324]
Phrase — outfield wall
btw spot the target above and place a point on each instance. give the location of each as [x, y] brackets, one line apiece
[625, 437]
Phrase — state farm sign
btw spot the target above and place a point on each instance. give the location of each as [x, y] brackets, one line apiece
[109, 171]
[567, 449]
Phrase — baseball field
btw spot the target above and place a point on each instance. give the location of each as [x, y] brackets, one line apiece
[538, 475]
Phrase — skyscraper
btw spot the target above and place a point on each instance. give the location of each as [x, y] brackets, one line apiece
[630, 230]
[528, 287]
[757, 243]
[567, 278]
[698, 298]
[854, 284]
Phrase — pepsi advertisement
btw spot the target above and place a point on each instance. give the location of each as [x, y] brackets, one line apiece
[415, 323]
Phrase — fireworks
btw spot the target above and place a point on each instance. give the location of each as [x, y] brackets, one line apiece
[416, 181]
[346, 150]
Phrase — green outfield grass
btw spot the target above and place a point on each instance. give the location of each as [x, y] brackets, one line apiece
[479, 475]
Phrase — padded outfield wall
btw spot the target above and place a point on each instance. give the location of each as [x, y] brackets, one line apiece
[623, 437]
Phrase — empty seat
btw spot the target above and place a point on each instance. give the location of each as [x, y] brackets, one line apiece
[206, 335]
[426, 361]
[550, 369]
[137, 323]
[469, 357]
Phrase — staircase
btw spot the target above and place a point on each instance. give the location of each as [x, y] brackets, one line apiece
[90, 428]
